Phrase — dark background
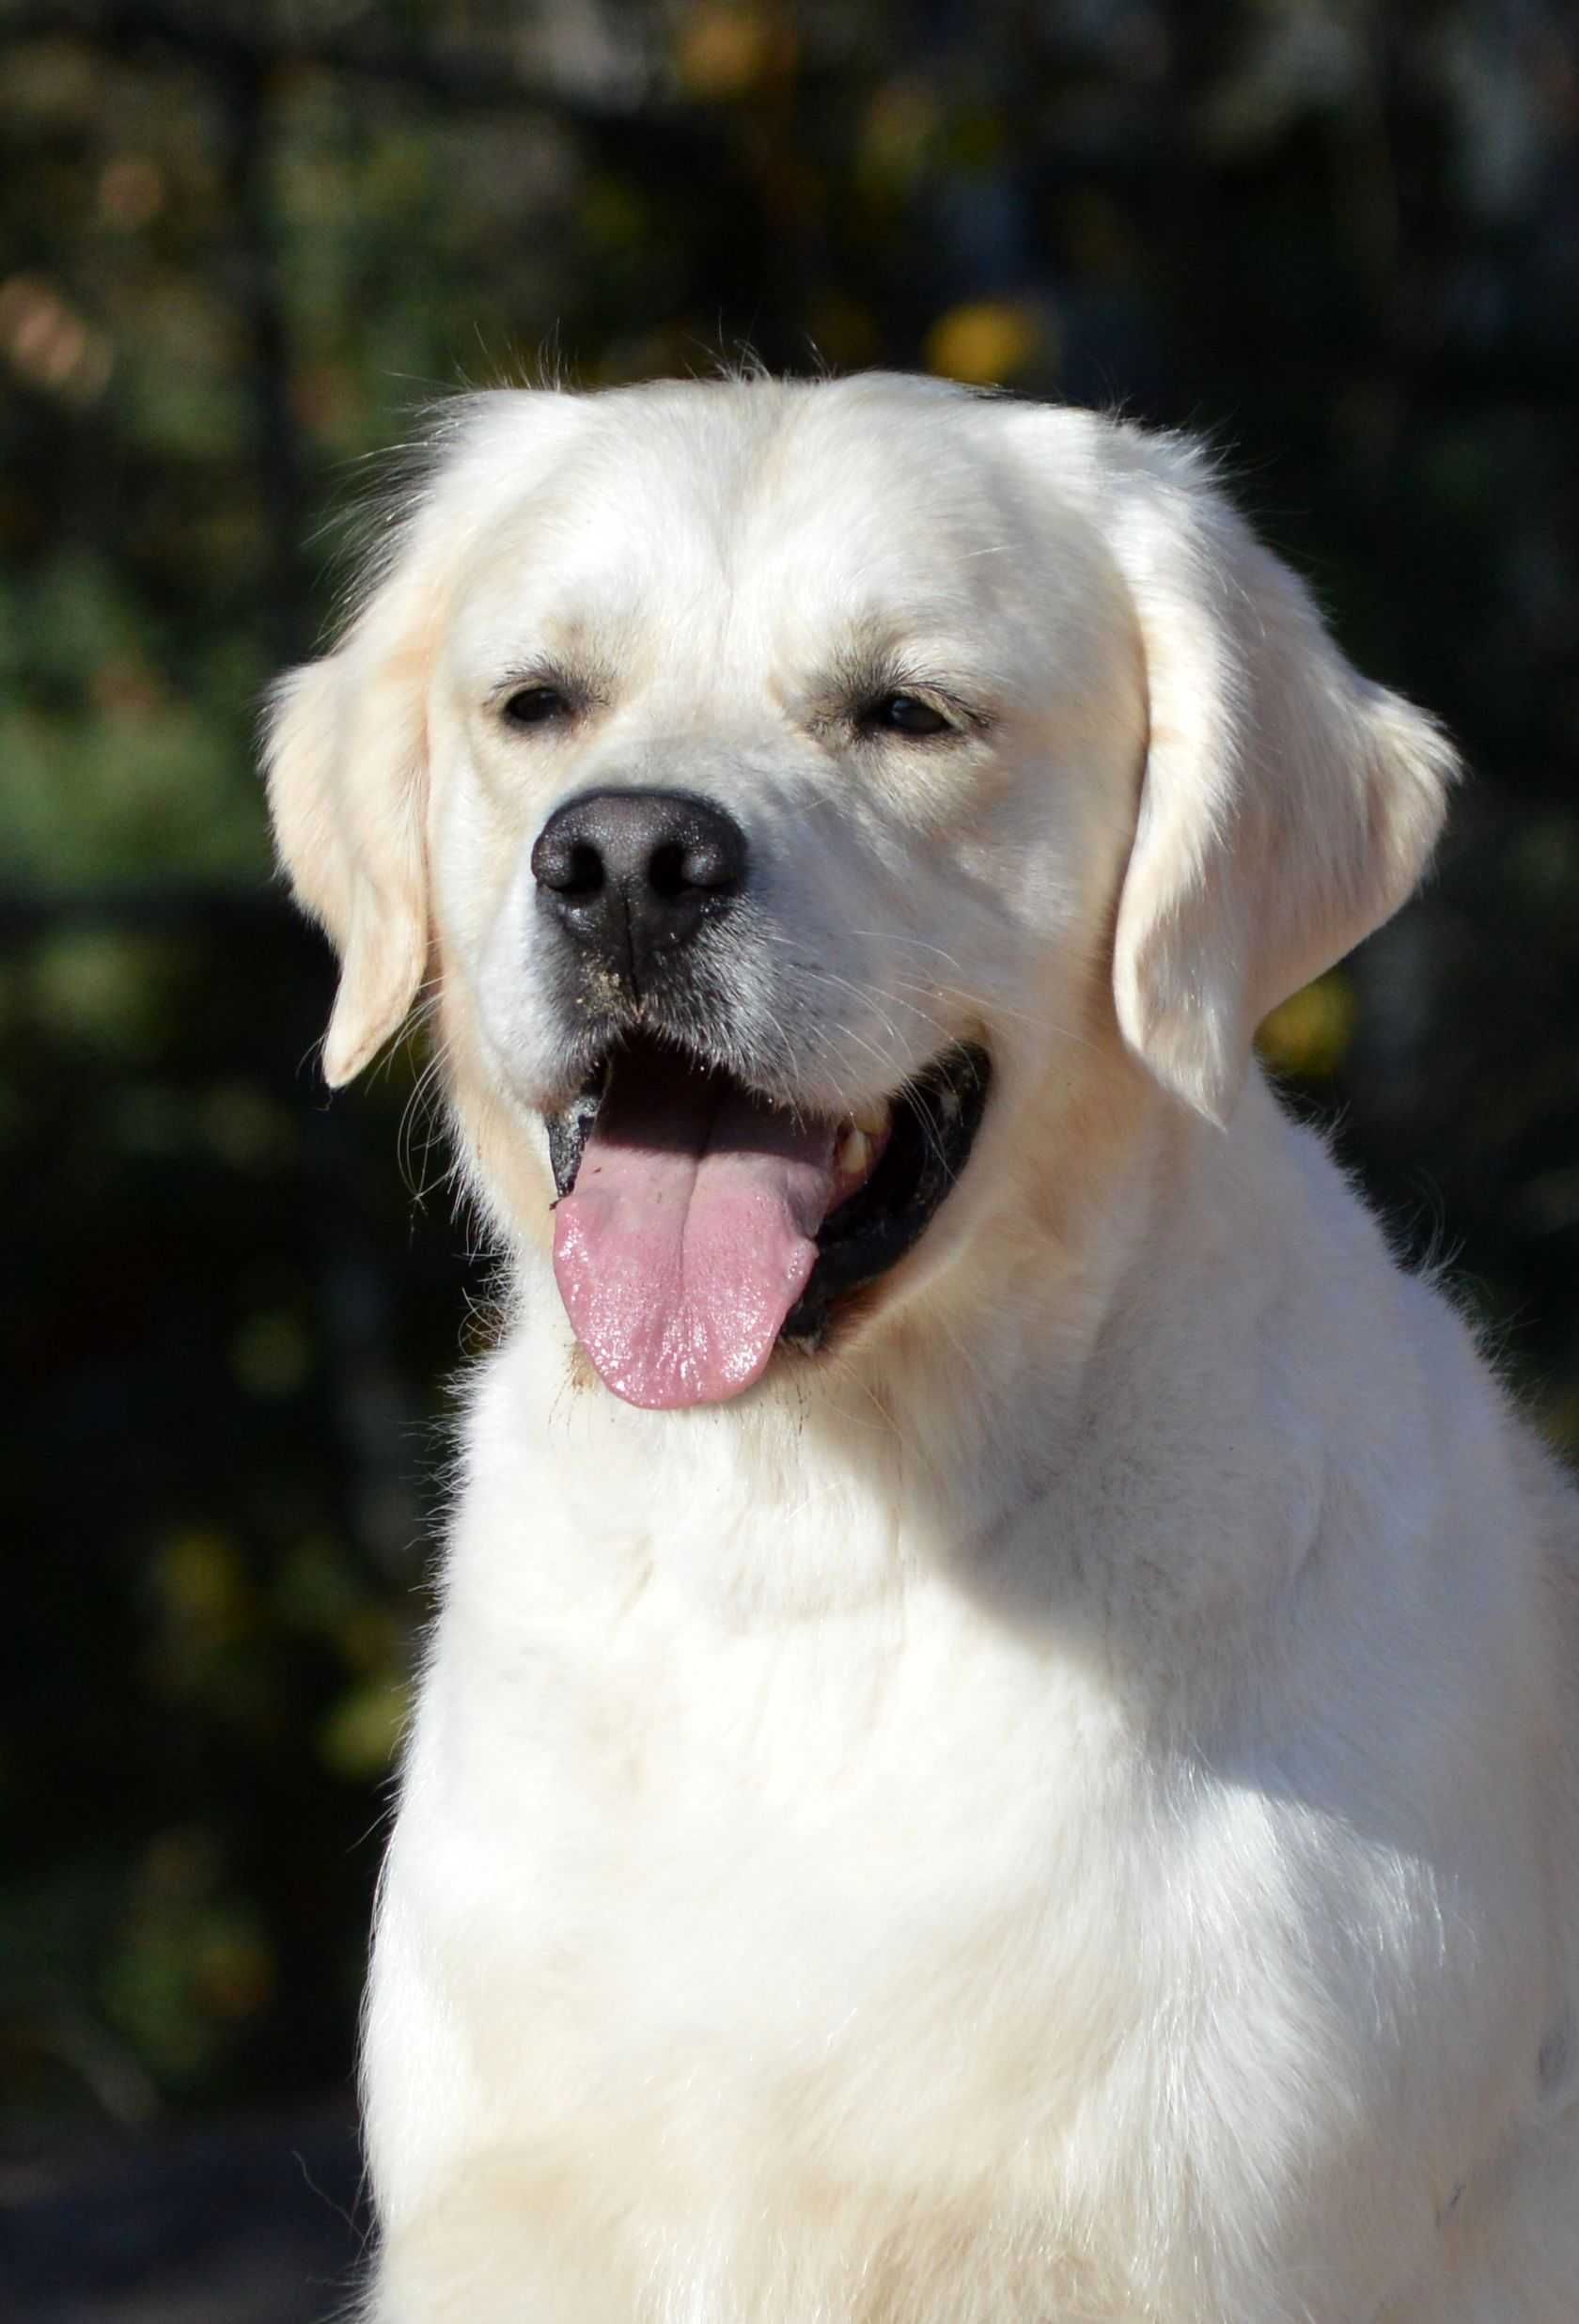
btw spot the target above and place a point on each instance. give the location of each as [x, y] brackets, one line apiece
[239, 246]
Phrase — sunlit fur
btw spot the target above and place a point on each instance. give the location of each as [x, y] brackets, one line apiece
[1065, 1806]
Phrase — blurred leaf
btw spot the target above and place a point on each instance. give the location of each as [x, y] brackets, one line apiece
[723, 48]
[103, 988]
[1308, 1035]
[203, 1587]
[988, 340]
[272, 1354]
[362, 1734]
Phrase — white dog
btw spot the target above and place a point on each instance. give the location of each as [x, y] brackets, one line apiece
[1002, 1745]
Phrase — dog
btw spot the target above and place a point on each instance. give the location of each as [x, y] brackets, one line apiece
[1001, 1744]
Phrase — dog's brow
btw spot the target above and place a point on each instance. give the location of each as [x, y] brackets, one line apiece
[581, 685]
[863, 674]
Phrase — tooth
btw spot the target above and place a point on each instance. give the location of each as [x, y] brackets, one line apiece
[854, 1153]
[874, 1118]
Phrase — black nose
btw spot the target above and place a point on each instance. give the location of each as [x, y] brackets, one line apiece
[631, 875]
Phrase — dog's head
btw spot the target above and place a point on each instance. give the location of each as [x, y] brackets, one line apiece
[791, 790]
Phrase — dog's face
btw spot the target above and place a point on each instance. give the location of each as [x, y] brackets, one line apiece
[794, 789]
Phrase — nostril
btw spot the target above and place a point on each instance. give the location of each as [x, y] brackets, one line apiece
[567, 866]
[688, 866]
[666, 870]
[584, 874]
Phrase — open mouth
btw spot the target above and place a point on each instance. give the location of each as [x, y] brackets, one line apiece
[698, 1223]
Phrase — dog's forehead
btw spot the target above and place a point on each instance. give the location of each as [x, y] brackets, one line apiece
[808, 507]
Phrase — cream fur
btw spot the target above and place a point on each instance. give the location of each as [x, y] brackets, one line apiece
[1067, 1806]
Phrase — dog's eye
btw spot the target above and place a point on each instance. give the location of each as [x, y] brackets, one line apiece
[532, 706]
[905, 713]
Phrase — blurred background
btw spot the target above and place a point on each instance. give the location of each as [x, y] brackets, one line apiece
[241, 242]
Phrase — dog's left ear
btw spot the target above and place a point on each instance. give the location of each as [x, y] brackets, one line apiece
[1288, 806]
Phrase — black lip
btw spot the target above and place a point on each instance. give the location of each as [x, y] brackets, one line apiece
[570, 1129]
[935, 1119]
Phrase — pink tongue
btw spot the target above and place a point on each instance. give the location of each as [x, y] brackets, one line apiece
[689, 1232]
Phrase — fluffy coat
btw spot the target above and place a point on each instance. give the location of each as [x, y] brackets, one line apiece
[1064, 1805]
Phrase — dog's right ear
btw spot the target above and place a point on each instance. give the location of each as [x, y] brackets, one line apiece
[346, 741]
[346, 758]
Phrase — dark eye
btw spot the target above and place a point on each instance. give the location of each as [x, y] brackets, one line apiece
[906, 714]
[531, 706]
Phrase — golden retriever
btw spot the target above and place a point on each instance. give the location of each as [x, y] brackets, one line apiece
[1002, 1740]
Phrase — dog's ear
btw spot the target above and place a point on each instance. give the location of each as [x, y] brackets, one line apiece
[1288, 806]
[346, 741]
[345, 760]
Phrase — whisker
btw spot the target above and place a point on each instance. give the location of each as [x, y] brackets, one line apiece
[889, 935]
